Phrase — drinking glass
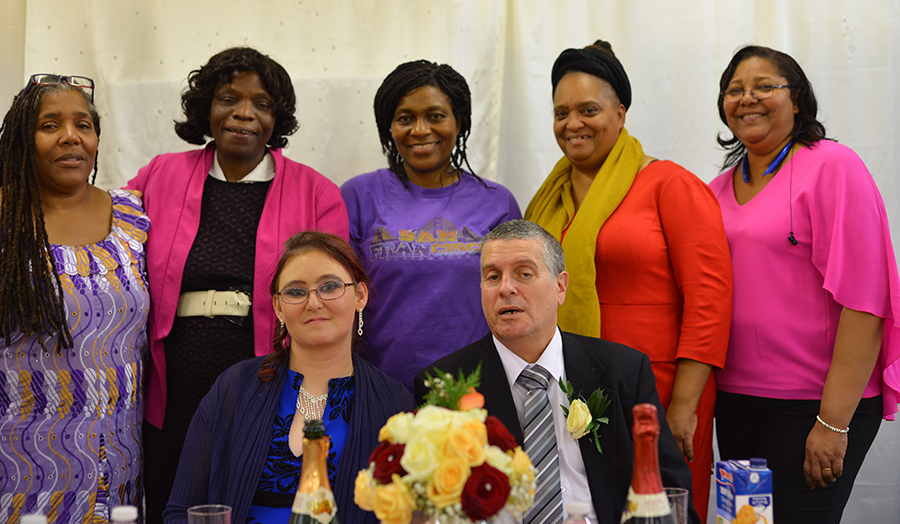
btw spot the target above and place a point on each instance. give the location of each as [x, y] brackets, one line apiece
[678, 503]
[209, 514]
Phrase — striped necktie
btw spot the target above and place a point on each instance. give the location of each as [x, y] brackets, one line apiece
[540, 444]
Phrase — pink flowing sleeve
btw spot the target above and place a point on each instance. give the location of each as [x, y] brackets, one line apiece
[852, 249]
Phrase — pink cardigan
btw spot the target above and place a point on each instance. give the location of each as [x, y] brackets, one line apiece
[172, 185]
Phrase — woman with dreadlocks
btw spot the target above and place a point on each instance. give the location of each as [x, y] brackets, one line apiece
[416, 225]
[73, 311]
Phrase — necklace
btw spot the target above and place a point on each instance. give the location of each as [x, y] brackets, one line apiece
[745, 165]
[313, 407]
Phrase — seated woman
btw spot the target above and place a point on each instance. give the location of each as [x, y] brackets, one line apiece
[73, 313]
[220, 215]
[645, 248]
[244, 445]
[416, 224]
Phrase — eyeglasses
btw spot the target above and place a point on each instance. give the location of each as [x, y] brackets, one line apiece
[327, 291]
[46, 79]
[760, 92]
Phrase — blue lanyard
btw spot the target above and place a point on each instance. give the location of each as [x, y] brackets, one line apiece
[745, 166]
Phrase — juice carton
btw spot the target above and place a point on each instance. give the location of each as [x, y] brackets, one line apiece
[743, 492]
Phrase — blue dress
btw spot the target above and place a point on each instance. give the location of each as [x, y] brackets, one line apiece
[281, 472]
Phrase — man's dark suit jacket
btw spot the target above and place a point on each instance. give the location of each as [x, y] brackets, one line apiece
[626, 377]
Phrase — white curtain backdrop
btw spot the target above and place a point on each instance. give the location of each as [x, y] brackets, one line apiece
[338, 52]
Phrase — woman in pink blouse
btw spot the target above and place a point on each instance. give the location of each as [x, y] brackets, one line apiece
[812, 362]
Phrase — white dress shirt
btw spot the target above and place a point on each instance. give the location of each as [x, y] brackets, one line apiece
[572, 476]
[263, 172]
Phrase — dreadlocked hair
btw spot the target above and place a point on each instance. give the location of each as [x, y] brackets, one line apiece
[30, 290]
[407, 78]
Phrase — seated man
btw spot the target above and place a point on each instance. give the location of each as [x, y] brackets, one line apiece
[523, 281]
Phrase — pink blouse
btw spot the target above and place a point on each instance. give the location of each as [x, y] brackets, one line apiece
[787, 298]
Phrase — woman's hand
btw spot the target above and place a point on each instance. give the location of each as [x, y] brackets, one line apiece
[825, 450]
[681, 414]
[683, 423]
[856, 348]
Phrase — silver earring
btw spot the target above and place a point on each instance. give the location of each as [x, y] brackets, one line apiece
[359, 331]
[281, 324]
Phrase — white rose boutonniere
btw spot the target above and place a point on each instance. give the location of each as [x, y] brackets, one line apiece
[582, 417]
[579, 419]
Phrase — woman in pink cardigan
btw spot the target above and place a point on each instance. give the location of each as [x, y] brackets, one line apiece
[220, 215]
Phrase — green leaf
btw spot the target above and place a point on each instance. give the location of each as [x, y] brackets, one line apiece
[594, 402]
[446, 391]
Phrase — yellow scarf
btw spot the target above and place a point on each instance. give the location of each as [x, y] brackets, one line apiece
[553, 208]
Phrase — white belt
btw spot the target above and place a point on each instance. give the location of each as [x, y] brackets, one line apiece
[213, 303]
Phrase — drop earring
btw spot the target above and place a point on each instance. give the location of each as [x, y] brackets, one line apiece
[359, 331]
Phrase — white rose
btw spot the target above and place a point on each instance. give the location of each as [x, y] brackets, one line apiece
[579, 419]
[433, 422]
[498, 459]
[420, 458]
[398, 429]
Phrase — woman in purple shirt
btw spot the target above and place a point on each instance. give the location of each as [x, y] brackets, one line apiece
[416, 225]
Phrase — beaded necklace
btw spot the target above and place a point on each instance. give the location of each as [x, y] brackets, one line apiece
[313, 407]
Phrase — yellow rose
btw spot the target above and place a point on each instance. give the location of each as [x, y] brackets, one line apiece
[447, 482]
[398, 429]
[497, 458]
[521, 464]
[579, 419]
[460, 443]
[363, 493]
[393, 502]
[477, 429]
[420, 458]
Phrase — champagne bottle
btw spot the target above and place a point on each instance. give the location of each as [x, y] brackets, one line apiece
[647, 501]
[314, 502]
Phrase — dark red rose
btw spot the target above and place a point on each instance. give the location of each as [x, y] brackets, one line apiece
[498, 435]
[388, 462]
[485, 493]
[377, 451]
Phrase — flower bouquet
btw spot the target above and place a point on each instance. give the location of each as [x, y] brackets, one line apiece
[449, 461]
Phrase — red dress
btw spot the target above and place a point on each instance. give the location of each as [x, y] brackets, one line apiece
[664, 282]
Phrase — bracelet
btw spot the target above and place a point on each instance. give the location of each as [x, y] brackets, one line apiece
[832, 428]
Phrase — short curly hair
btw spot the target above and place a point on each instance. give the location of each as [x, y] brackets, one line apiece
[196, 100]
[403, 80]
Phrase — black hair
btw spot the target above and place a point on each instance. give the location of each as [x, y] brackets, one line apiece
[30, 288]
[599, 60]
[402, 81]
[807, 129]
[196, 100]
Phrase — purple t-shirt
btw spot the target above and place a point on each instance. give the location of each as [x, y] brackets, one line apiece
[787, 298]
[420, 247]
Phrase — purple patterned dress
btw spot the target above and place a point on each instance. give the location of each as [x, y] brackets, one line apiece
[70, 422]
